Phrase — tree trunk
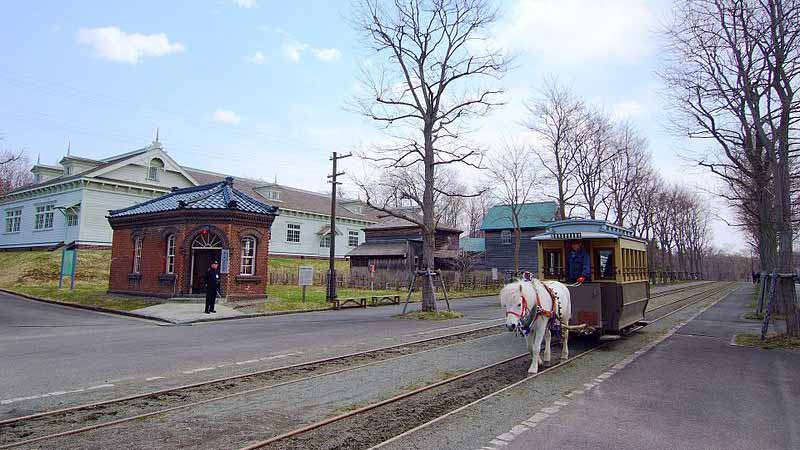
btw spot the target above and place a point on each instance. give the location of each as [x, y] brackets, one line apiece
[785, 286]
[428, 219]
[517, 244]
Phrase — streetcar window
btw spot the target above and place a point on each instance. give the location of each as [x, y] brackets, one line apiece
[553, 263]
[604, 264]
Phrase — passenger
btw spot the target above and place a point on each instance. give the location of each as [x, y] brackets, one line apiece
[578, 265]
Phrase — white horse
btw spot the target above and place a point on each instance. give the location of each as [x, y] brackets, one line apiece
[521, 299]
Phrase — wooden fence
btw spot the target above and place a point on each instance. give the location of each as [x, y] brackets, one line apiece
[454, 280]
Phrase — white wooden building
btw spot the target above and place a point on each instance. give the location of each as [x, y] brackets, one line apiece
[68, 204]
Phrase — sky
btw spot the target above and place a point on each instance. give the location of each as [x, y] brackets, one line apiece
[260, 88]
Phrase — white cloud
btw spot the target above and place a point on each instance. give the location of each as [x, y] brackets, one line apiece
[227, 117]
[116, 45]
[577, 30]
[256, 58]
[294, 50]
[247, 4]
[328, 54]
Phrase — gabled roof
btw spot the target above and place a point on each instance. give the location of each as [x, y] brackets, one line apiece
[380, 249]
[291, 198]
[393, 223]
[220, 195]
[531, 215]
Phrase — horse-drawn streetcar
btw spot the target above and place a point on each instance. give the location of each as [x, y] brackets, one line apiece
[614, 293]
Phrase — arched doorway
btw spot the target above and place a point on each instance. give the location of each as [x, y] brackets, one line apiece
[206, 248]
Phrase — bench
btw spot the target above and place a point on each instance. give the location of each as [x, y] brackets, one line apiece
[385, 299]
[358, 302]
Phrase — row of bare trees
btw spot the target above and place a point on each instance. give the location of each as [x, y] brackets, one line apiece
[733, 75]
[14, 170]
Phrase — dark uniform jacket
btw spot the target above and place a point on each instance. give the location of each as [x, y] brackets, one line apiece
[578, 265]
[212, 282]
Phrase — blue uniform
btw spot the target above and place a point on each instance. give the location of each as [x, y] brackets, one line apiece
[578, 265]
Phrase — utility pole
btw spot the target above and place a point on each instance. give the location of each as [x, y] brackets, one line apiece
[331, 290]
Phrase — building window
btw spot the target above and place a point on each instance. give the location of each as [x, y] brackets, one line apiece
[13, 220]
[352, 238]
[44, 217]
[505, 237]
[553, 263]
[155, 168]
[248, 256]
[293, 232]
[68, 170]
[325, 241]
[273, 195]
[170, 254]
[71, 218]
[137, 255]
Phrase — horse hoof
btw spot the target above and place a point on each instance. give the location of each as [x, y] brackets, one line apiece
[532, 371]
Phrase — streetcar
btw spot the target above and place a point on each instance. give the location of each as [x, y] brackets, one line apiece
[616, 296]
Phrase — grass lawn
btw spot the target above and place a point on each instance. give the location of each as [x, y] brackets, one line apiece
[287, 298]
[283, 264]
[36, 274]
[771, 342]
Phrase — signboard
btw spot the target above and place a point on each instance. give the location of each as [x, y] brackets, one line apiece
[494, 273]
[69, 258]
[305, 276]
[225, 261]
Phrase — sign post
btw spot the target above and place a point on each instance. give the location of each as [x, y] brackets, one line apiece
[69, 259]
[372, 277]
[305, 277]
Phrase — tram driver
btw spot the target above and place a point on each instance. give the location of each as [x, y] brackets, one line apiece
[578, 264]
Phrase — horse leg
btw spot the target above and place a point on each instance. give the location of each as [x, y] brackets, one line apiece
[537, 333]
[547, 337]
[564, 343]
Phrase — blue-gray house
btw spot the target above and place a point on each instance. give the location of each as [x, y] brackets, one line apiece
[498, 230]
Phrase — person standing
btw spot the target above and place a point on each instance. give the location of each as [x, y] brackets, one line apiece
[212, 286]
[578, 264]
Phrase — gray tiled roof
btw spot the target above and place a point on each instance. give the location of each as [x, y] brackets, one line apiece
[220, 195]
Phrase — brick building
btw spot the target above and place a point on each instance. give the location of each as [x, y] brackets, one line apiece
[163, 247]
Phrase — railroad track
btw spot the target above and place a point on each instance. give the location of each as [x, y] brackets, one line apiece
[679, 290]
[371, 426]
[30, 429]
[50, 425]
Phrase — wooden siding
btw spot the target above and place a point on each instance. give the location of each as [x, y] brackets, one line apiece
[501, 255]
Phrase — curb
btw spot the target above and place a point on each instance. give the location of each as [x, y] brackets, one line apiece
[86, 307]
[166, 322]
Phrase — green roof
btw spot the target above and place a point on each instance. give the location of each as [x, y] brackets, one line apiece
[472, 245]
[532, 215]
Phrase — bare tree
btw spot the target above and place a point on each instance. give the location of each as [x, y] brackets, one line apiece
[593, 149]
[476, 211]
[734, 73]
[555, 117]
[14, 171]
[515, 180]
[431, 79]
[624, 171]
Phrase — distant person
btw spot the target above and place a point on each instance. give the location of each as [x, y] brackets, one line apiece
[212, 286]
[578, 265]
[755, 279]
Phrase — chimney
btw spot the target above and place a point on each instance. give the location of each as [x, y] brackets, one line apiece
[181, 204]
[229, 181]
[174, 188]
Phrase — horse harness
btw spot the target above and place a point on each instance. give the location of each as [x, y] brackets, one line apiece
[528, 316]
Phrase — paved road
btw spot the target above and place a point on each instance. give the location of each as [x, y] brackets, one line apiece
[47, 348]
[693, 391]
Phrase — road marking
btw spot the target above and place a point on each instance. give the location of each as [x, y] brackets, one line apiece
[201, 369]
[99, 386]
[249, 361]
[436, 330]
[153, 378]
